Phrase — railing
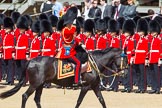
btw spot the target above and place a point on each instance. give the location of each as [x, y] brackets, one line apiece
[21, 4]
[9, 7]
[2, 2]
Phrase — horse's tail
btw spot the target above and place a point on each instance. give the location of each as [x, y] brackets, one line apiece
[17, 87]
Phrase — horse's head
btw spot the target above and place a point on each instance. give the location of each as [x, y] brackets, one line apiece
[111, 59]
[120, 64]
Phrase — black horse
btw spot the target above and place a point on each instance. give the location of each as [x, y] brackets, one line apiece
[44, 69]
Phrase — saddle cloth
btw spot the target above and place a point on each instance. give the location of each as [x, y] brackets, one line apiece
[66, 69]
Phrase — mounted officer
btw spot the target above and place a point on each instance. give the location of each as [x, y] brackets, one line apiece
[67, 50]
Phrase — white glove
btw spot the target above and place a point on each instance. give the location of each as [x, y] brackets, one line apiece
[83, 46]
[13, 55]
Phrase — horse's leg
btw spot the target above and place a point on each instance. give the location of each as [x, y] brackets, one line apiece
[81, 96]
[97, 91]
[26, 95]
[37, 97]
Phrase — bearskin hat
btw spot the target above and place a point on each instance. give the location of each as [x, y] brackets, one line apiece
[45, 26]
[22, 23]
[121, 21]
[79, 23]
[8, 23]
[142, 25]
[89, 25]
[159, 20]
[36, 26]
[129, 26]
[60, 24]
[30, 21]
[42, 16]
[15, 16]
[70, 15]
[136, 18]
[100, 25]
[154, 26]
[2, 16]
[148, 19]
[113, 26]
[53, 20]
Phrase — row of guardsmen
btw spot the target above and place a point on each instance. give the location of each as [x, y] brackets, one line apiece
[140, 39]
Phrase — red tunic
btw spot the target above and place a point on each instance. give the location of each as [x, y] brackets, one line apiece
[115, 42]
[68, 47]
[90, 43]
[102, 42]
[8, 46]
[21, 47]
[141, 51]
[81, 38]
[155, 50]
[48, 47]
[35, 48]
[129, 44]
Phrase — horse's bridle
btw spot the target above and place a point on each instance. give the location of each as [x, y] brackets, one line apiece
[115, 72]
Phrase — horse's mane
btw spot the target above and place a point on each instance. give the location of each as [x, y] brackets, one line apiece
[102, 52]
[81, 54]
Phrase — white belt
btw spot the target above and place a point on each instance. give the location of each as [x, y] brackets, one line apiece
[140, 51]
[34, 50]
[46, 50]
[128, 52]
[6, 47]
[20, 47]
[154, 50]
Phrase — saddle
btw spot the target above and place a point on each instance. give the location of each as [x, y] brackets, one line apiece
[66, 69]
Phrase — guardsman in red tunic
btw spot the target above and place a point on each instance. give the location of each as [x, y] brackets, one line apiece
[2, 32]
[68, 35]
[90, 42]
[140, 54]
[113, 28]
[154, 56]
[128, 47]
[8, 46]
[48, 48]
[159, 20]
[21, 47]
[36, 42]
[55, 37]
[80, 30]
[101, 42]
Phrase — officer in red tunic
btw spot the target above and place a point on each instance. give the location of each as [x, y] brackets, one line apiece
[68, 49]
[48, 48]
[21, 47]
[90, 41]
[140, 54]
[36, 42]
[128, 47]
[101, 42]
[154, 56]
[8, 46]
